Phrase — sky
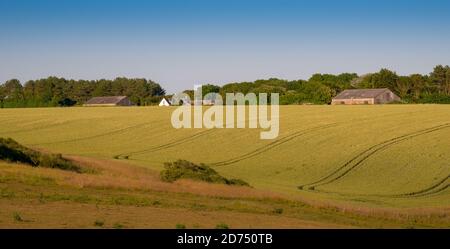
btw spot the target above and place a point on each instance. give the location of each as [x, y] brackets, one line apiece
[179, 43]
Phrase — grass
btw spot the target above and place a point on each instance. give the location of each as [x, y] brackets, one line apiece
[362, 158]
[154, 205]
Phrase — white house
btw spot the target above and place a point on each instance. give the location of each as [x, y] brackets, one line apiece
[165, 102]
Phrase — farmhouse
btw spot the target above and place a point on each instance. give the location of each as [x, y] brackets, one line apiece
[165, 102]
[365, 96]
[109, 101]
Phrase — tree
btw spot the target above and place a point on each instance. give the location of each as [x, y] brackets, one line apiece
[2, 95]
[210, 89]
[335, 82]
[418, 85]
[439, 78]
[403, 86]
[13, 91]
[383, 79]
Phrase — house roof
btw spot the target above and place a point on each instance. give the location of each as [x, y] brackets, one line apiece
[361, 93]
[165, 99]
[105, 100]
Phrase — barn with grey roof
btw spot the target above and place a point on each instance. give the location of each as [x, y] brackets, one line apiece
[365, 97]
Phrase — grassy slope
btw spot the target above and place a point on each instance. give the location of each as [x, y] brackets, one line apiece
[120, 195]
[396, 149]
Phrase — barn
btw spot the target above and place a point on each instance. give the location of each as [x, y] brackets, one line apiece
[365, 97]
[109, 101]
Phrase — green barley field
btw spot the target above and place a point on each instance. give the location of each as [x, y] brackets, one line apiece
[387, 155]
[395, 155]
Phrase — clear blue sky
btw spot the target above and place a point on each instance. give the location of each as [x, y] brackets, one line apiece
[186, 42]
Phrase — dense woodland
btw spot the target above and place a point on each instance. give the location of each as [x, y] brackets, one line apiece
[54, 91]
[319, 89]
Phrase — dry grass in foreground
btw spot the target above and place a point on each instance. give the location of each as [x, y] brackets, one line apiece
[118, 195]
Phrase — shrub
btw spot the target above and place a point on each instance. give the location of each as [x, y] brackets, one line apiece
[12, 151]
[237, 182]
[222, 226]
[17, 217]
[183, 169]
[58, 162]
[180, 226]
[118, 226]
[278, 211]
[99, 223]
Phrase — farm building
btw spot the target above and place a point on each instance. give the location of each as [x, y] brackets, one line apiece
[365, 97]
[165, 102]
[109, 101]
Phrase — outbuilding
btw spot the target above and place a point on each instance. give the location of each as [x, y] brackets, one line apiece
[165, 102]
[365, 97]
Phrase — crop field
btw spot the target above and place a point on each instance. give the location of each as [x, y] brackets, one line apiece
[386, 157]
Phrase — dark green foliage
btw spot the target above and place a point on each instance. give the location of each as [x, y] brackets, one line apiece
[17, 217]
[434, 98]
[180, 226]
[210, 89]
[66, 102]
[54, 91]
[321, 88]
[183, 169]
[99, 223]
[278, 211]
[12, 151]
[222, 226]
[118, 226]
[237, 182]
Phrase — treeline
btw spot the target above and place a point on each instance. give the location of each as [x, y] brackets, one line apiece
[53, 91]
[321, 88]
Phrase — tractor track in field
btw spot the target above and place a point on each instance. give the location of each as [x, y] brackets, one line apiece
[167, 145]
[357, 160]
[43, 127]
[94, 136]
[272, 145]
[200, 134]
[436, 188]
[263, 149]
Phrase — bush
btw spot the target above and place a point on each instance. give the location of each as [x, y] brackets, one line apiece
[99, 223]
[12, 151]
[434, 98]
[180, 226]
[237, 182]
[222, 226]
[17, 217]
[278, 211]
[118, 226]
[183, 169]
